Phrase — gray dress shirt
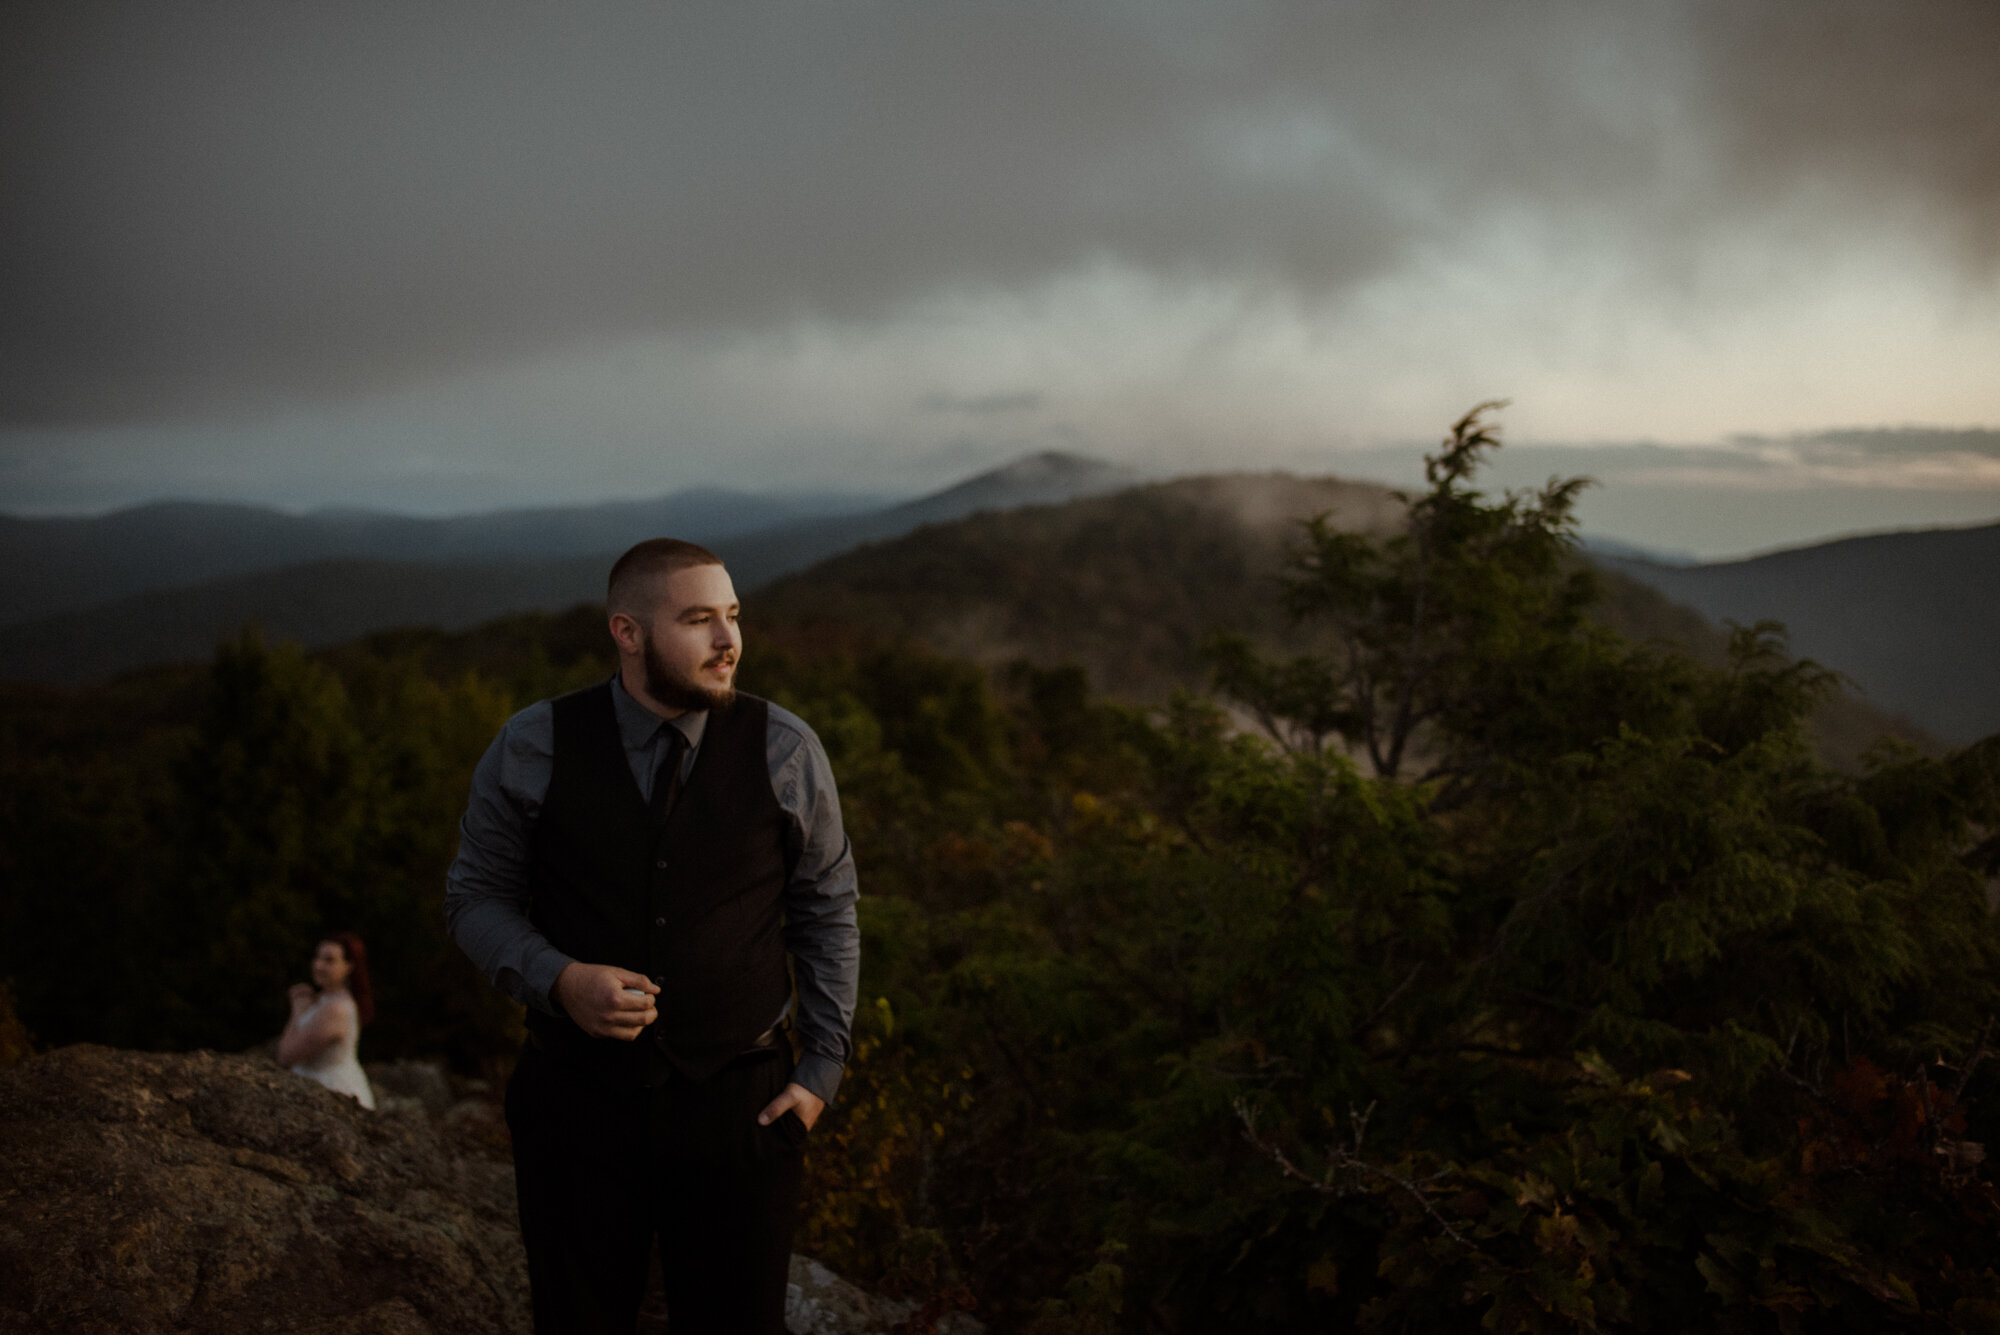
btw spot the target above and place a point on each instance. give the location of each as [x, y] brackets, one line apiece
[486, 891]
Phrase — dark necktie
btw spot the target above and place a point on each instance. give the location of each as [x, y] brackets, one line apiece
[667, 779]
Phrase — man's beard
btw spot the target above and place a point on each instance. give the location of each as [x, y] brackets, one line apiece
[678, 692]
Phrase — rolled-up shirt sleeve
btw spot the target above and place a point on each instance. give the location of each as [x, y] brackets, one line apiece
[822, 932]
[486, 890]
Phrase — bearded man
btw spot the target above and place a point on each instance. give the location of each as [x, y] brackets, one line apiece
[638, 864]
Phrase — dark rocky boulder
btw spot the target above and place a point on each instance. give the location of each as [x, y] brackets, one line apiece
[144, 1192]
[202, 1192]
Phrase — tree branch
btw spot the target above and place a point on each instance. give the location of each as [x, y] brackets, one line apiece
[1341, 1158]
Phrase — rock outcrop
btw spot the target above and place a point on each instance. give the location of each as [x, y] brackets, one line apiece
[144, 1192]
[202, 1192]
[822, 1303]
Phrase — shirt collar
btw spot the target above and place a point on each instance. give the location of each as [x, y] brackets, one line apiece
[639, 727]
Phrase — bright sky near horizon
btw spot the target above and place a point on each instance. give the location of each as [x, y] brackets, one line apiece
[448, 256]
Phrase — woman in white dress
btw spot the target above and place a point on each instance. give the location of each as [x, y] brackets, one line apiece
[320, 1038]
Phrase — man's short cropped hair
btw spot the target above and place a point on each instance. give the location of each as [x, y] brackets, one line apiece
[633, 573]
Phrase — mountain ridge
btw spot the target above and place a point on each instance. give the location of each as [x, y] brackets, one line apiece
[51, 566]
[1123, 578]
[1129, 586]
[324, 600]
[54, 565]
[1907, 615]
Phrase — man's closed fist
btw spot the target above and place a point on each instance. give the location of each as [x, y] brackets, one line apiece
[604, 1000]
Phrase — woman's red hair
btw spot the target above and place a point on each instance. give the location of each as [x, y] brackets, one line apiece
[358, 985]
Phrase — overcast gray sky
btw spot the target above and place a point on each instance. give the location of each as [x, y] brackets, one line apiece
[439, 256]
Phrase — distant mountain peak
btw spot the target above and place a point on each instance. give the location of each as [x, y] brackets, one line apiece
[1048, 478]
[1054, 465]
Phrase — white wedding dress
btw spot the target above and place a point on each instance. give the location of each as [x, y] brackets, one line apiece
[337, 1067]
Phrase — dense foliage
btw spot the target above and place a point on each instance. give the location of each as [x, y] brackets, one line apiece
[175, 841]
[1592, 1002]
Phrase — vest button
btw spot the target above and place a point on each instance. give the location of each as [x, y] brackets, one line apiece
[661, 864]
[659, 922]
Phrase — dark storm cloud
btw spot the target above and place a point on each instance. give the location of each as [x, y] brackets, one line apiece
[1861, 99]
[206, 206]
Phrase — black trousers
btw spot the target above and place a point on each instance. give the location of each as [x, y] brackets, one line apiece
[603, 1172]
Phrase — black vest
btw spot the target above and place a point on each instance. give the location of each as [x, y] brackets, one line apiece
[693, 901]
